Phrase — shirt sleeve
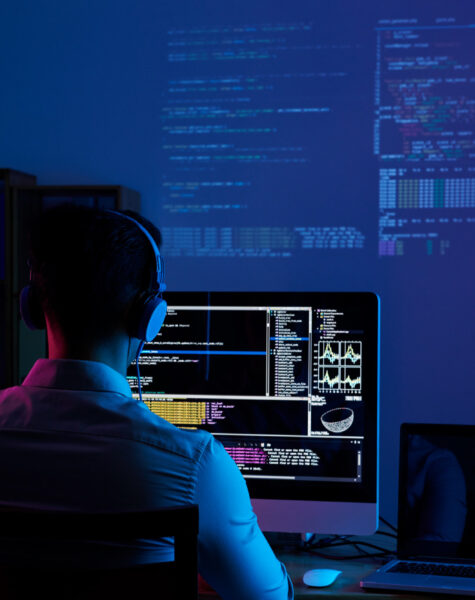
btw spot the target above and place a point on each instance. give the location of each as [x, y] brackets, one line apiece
[234, 556]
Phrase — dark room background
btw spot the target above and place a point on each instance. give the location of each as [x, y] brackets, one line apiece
[279, 146]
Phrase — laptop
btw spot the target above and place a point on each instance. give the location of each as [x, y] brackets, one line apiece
[436, 519]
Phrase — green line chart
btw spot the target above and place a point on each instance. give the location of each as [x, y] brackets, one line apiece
[339, 366]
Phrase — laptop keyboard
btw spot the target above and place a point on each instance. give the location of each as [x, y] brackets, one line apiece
[422, 568]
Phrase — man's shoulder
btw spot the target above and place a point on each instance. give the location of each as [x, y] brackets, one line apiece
[150, 428]
[97, 414]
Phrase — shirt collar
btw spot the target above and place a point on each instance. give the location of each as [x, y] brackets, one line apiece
[77, 375]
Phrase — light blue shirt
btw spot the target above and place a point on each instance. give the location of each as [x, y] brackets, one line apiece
[73, 438]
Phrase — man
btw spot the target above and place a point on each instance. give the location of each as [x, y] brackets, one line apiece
[77, 440]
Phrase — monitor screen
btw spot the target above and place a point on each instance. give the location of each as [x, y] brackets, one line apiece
[288, 382]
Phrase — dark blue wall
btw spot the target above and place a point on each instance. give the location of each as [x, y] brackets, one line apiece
[82, 88]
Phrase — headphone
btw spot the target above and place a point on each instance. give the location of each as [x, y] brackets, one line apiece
[149, 310]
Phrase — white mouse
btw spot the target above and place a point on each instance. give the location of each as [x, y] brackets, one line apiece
[320, 577]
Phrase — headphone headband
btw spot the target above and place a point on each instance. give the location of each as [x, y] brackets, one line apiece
[151, 310]
[158, 258]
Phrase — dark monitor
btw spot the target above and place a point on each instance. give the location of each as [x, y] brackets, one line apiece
[437, 491]
[288, 382]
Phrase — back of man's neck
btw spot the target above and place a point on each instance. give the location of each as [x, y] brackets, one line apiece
[104, 353]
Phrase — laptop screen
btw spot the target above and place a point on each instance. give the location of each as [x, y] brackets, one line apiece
[437, 492]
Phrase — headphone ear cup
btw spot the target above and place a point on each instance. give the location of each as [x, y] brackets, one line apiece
[30, 309]
[150, 316]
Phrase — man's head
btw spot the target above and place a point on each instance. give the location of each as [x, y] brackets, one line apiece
[89, 267]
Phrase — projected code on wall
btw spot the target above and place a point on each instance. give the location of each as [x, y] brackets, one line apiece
[269, 142]
[425, 136]
[239, 118]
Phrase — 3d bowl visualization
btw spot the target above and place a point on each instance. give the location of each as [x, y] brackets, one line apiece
[337, 420]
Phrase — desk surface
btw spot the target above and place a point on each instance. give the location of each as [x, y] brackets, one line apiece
[347, 585]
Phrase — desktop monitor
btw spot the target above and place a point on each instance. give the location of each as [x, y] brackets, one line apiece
[288, 382]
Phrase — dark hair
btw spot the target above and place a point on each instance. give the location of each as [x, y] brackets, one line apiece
[89, 265]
